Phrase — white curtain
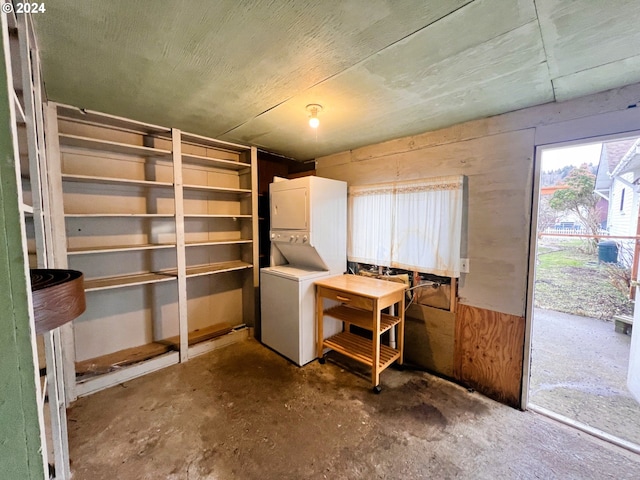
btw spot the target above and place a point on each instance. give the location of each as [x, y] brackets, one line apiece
[370, 235]
[414, 225]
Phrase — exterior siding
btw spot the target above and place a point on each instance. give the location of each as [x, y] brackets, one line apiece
[623, 221]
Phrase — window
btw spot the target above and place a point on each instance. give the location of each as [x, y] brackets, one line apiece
[414, 225]
[622, 199]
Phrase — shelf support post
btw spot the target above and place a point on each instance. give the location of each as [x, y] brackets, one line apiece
[178, 196]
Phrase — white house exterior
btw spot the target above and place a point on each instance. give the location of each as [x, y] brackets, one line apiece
[616, 179]
[623, 206]
[624, 193]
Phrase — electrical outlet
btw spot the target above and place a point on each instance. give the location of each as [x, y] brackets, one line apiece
[464, 265]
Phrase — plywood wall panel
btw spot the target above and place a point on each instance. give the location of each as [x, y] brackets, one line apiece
[489, 350]
[429, 338]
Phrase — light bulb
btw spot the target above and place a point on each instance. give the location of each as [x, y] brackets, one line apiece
[313, 109]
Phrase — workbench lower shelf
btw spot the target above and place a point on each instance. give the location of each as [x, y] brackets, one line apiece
[361, 349]
[361, 318]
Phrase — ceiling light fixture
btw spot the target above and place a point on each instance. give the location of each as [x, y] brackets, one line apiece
[313, 109]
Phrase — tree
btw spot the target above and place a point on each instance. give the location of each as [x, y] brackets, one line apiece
[580, 199]
[547, 216]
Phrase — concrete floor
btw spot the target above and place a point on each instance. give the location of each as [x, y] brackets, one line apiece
[579, 370]
[244, 412]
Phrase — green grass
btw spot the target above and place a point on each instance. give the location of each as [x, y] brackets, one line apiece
[558, 260]
[572, 281]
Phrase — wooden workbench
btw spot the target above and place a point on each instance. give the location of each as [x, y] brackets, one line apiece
[362, 300]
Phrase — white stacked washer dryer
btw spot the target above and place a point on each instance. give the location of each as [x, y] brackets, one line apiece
[308, 242]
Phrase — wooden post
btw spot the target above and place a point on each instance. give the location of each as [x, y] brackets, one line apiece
[375, 368]
[320, 320]
[176, 137]
[401, 308]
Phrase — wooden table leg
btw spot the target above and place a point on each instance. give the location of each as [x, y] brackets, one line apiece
[375, 368]
[400, 339]
[320, 322]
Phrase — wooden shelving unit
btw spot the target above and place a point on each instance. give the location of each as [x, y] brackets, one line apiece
[118, 194]
[162, 224]
[218, 235]
[27, 130]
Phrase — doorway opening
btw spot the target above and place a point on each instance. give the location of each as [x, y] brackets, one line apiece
[584, 261]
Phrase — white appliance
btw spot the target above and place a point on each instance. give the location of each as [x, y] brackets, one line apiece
[308, 242]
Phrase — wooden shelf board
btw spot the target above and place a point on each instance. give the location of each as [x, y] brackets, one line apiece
[113, 181]
[360, 349]
[28, 209]
[67, 140]
[207, 188]
[118, 215]
[117, 360]
[217, 242]
[230, 338]
[118, 248]
[89, 117]
[361, 318]
[214, 215]
[95, 284]
[214, 268]
[200, 335]
[214, 162]
[100, 382]
[193, 139]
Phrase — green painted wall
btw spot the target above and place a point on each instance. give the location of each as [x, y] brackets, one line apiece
[20, 457]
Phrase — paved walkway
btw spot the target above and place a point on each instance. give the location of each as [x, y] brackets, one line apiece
[579, 370]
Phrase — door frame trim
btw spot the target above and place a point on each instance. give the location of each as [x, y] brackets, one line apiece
[593, 129]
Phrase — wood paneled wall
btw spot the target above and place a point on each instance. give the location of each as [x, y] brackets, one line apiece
[489, 351]
[498, 191]
[499, 173]
[496, 155]
[270, 165]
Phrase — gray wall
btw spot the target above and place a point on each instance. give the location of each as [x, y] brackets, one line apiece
[497, 157]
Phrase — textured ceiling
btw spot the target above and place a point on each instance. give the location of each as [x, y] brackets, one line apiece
[245, 70]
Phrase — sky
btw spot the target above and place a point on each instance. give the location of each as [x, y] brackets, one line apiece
[555, 158]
